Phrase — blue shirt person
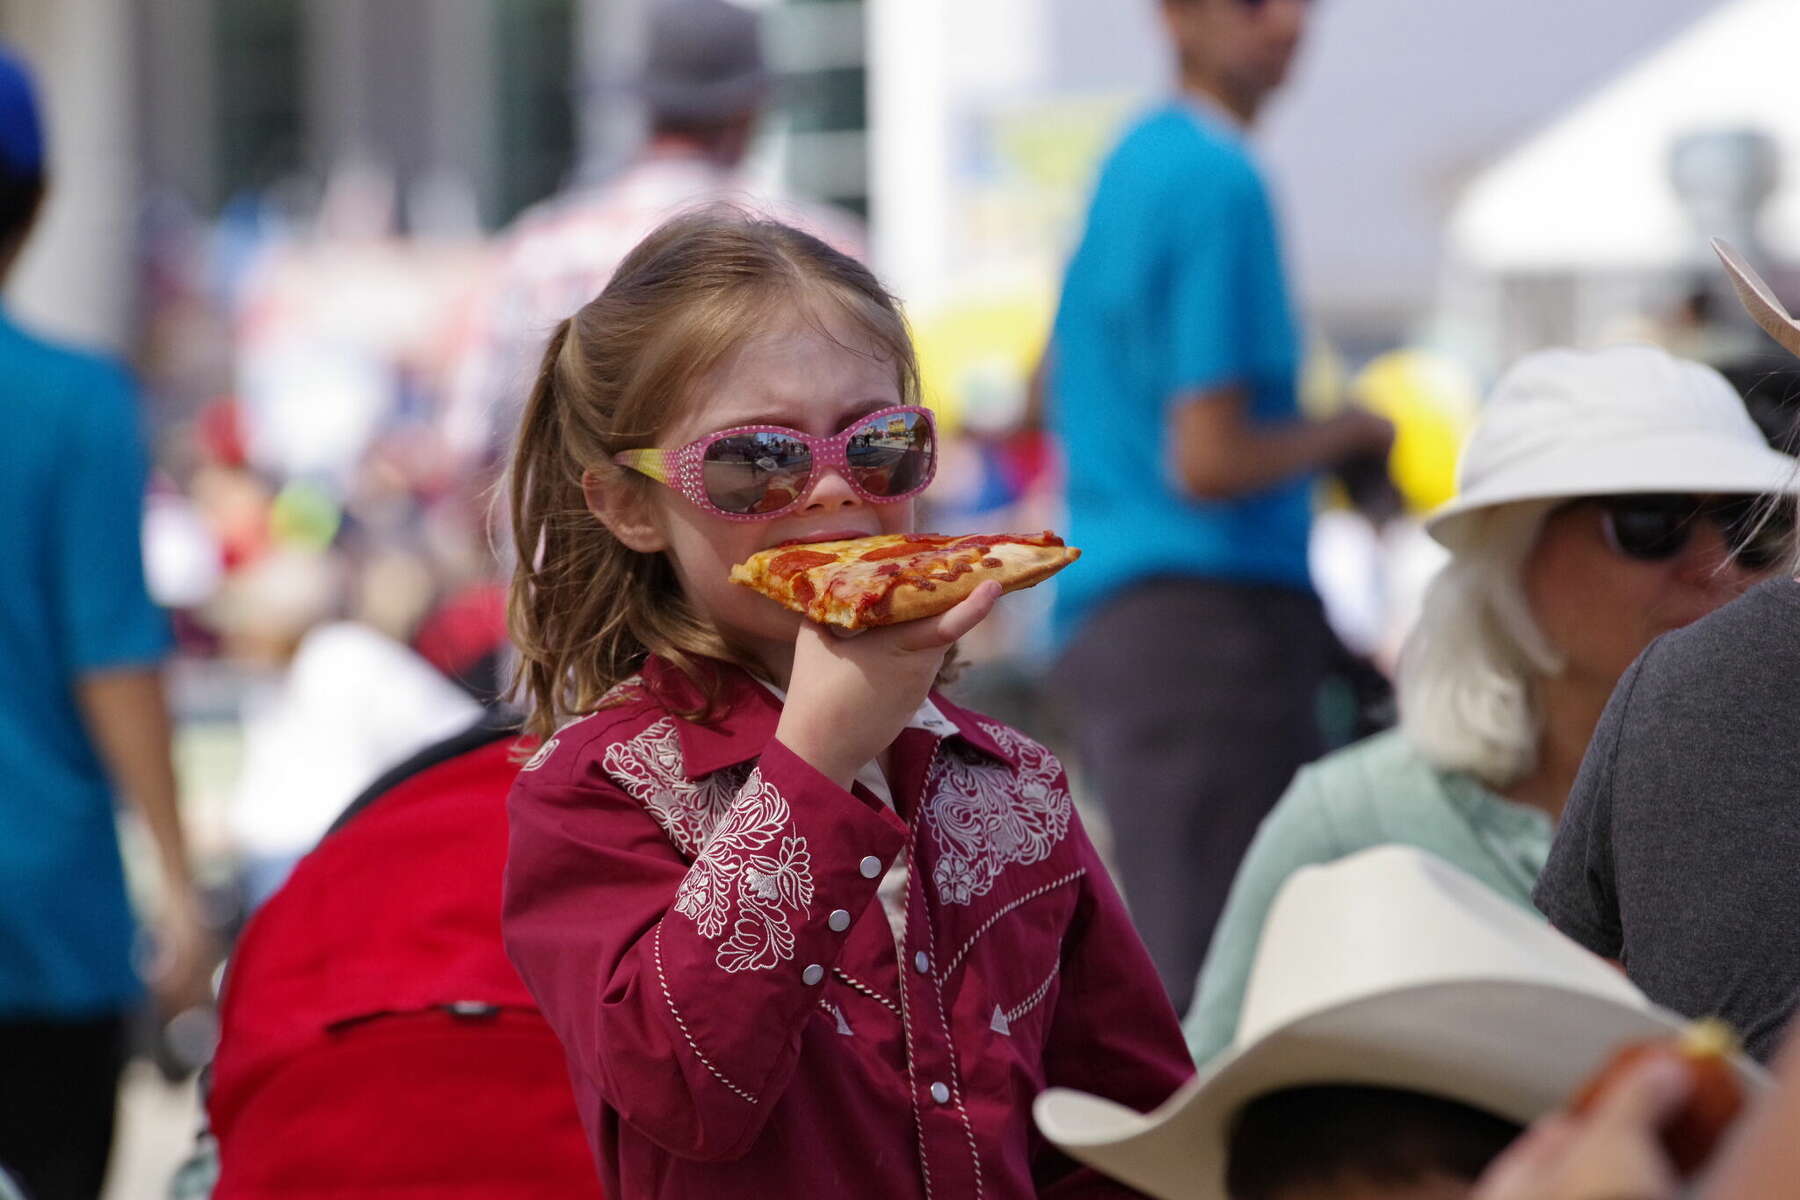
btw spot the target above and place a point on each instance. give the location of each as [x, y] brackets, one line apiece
[1192, 643]
[1177, 288]
[82, 719]
[73, 603]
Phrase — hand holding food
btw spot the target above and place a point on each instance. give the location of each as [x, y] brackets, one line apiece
[1714, 1099]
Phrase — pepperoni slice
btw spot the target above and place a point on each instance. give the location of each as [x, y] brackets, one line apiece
[902, 550]
[785, 566]
[1045, 538]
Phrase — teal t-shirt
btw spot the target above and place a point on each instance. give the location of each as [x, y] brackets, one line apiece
[72, 601]
[1376, 793]
[1177, 285]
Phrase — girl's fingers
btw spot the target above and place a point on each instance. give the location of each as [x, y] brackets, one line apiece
[948, 627]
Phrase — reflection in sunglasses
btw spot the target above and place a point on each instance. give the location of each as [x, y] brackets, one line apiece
[752, 473]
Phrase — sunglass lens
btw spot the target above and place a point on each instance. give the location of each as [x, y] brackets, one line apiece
[750, 473]
[891, 454]
[1647, 529]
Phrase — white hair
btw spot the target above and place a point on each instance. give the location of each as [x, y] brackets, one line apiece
[1468, 668]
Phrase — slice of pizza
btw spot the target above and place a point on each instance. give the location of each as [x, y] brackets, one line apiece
[884, 580]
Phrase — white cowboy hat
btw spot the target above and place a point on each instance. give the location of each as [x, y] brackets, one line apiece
[1389, 968]
[1624, 420]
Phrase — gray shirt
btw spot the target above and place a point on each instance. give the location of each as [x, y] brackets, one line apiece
[1679, 853]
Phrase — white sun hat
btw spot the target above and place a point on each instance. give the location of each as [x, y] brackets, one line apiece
[1624, 420]
[1388, 968]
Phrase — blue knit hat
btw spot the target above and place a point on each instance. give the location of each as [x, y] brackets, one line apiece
[21, 134]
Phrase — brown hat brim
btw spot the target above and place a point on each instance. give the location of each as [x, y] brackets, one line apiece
[1757, 299]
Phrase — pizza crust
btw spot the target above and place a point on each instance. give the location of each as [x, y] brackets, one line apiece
[1020, 567]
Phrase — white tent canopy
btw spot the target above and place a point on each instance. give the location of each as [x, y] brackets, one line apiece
[1592, 192]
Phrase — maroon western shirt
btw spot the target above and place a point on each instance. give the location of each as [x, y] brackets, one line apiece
[694, 907]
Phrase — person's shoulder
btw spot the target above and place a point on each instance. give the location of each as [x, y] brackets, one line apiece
[1368, 785]
[580, 746]
[1374, 765]
[62, 372]
[1755, 632]
[1171, 141]
[994, 738]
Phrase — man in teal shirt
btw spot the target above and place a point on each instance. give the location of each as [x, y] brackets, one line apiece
[1194, 644]
[81, 715]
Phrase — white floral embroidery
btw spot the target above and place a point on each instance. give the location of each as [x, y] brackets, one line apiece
[650, 769]
[752, 874]
[621, 689]
[749, 871]
[537, 759]
[987, 817]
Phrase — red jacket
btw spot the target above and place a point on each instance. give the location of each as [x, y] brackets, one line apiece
[694, 908]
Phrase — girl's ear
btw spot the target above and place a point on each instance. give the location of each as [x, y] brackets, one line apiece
[625, 510]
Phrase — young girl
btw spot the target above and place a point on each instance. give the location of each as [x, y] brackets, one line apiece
[804, 926]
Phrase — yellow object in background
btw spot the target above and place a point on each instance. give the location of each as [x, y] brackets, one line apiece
[304, 517]
[975, 356]
[1432, 402]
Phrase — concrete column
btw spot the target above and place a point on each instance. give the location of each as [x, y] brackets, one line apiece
[77, 279]
[609, 52]
[459, 83]
[179, 97]
[909, 145]
[337, 94]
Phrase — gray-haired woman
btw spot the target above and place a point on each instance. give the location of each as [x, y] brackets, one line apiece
[1605, 498]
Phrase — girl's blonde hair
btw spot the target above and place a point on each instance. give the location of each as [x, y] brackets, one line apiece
[584, 609]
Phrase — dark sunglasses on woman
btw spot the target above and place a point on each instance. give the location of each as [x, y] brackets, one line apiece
[1652, 528]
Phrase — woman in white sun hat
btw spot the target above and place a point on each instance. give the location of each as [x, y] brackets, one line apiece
[1605, 498]
[1407, 1022]
[1680, 851]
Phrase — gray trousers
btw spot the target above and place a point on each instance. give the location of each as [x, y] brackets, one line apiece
[1192, 704]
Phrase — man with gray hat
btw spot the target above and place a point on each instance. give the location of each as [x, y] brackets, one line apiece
[703, 85]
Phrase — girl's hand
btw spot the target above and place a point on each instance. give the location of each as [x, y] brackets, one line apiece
[851, 695]
[1614, 1153]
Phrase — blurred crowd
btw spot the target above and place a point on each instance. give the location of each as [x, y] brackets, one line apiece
[1406, 706]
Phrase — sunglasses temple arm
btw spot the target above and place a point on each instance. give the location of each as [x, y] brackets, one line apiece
[653, 463]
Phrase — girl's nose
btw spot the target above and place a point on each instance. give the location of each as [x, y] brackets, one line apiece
[830, 492]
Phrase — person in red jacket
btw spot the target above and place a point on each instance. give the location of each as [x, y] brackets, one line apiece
[804, 926]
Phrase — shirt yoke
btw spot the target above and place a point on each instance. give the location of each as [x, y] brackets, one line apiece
[1171, 150]
[71, 389]
[560, 759]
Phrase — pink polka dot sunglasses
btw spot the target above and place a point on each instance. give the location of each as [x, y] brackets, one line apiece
[755, 472]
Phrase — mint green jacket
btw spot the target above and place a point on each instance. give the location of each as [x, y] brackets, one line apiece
[1377, 792]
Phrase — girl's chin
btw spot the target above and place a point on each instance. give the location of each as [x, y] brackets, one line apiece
[766, 636]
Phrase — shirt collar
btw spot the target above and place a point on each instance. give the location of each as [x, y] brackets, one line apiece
[1485, 808]
[753, 708]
